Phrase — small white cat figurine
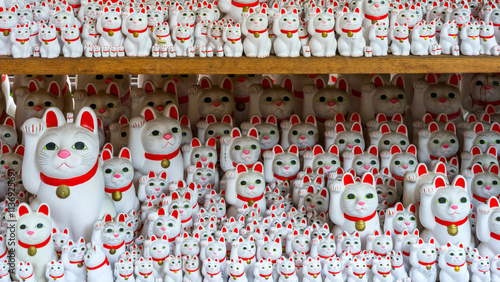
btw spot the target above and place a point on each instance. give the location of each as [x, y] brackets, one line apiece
[138, 41]
[254, 26]
[351, 42]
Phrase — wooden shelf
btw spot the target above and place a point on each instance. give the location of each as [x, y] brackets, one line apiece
[244, 65]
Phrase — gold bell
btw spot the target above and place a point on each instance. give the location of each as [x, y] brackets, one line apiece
[6, 33]
[112, 251]
[286, 276]
[360, 225]
[160, 262]
[267, 277]
[69, 42]
[116, 196]
[457, 269]
[249, 261]
[152, 29]
[135, 34]
[31, 251]
[240, 106]
[111, 33]
[234, 277]
[126, 278]
[350, 33]
[59, 33]
[454, 36]
[233, 42]
[452, 230]
[246, 9]
[324, 34]
[374, 22]
[165, 163]
[459, 28]
[385, 275]
[211, 276]
[182, 41]
[79, 265]
[146, 276]
[315, 275]
[289, 35]
[270, 36]
[401, 40]
[256, 35]
[468, 263]
[22, 42]
[251, 202]
[189, 272]
[62, 191]
[428, 267]
[46, 43]
[484, 39]
[175, 271]
[360, 276]
[59, 256]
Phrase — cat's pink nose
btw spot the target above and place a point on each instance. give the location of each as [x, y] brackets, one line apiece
[157, 189]
[64, 154]
[367, 167]
[361, 203]
[204, 159]
[376, 5]
[116, 235]
[246, 152]
[38, 108]
[394, 100]
[203, 178]
[167, 136]
[446, 146]
[216, 104]
[102, 111]
[251, 187]
[442, 100]
[117, 175]
[6, 167]
[163, 228]
[348, 21]
[328, 167]
[302, 137]
[242, 79]
[384, 196]
[488, 87]
[405, 167]
[287, 167]
[454, 207]
[160, 108]
[331, 103]
[135, 22]
[407, 223]
[278, 104]
[487, 187]
[350, 146]
[312, 206]
[265, 137]
[30, 232]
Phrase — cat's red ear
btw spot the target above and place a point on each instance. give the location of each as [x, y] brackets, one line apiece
[5, 149]
[9, 122]
[23, 209]
[91, 90]
[227, 84]
[113, 89]
[172, 112]
[148, 114]
[53, 117]
[87, 119]
[125, 153]
[258, 167]
[171, 87]
[54, 88]
[106, 155]
[43, 209]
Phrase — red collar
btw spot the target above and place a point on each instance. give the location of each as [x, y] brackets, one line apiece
[162, 36]
[34, 34]
[366, 218]
[192, 270]
[241, 5]
[381, 36]
[22, 39]
[55, 277]
[495, 236]
[323, 257]
[245, 199]
[432, 36]
[424, 36]
[75, 6]
[138, 31]
[379, 255]
[126, 275]
[5, 29]
[70, 181]
[173, 238]
[304, 37]
[397, 232]
[72, 40]
[24, 278]
[266, 276]
[312, 274]
[437, 158]
[256, 31]
[321, 31]
[356, 253]
[234, 40]
[481, 199]
[399, 178]
[216, 36]
[76, 262]
[451, 265]
[359, 274]
[245, 259]
[384, 273]
[213, 274]
[144, 274]
[175, 270]
[111, 29]
[1, 256]
[485, 103]
[284, 178]
[353, 30]
[288, 31]
[237, 276]
[37, 246]
[4, 274]
[397, 266]
[426, 263]
[484, 271]
[123, 189]
[248, 165]
[448, 223]
[288, 274]
[376, 18]
[49, 40]
[334, 273]
[406, 253]
[187, 219]
[401, 38]
[94, 34]
[100, 265]
[183, 38]
[473, 37]
[159, 259]
[116, 247]
[160, 157]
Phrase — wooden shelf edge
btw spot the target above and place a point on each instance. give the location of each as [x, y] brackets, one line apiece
[244, 65]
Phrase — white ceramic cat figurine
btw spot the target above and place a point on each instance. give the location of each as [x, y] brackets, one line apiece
[399, 35]
[353, 205]
[357, 270]
[487, 229]
[184, 40]
[60, 239]
[55, 271]
[280, 165]
[433, 142]
[423, 261]
[245, 185]
[361, 161]
[480, 269]
[286, 27]
[263, 271]
[72, 256]
[382, 269]
[34, 238]
[254, 26]
[109, 25]
[118, 180]
[326, 102]
[191, 267]
[110, 234]
[287, 270]
[351, 42]
[452, 261]
[155, 141]
[495, 269]
[9, 22]
[237, 149]
[144, 270]
[321, 28]
[75, 175]
[72, 47]
[4, 271]
[124, 270]
[489, 44]
[138, 40]
[233, 46]
[25, 272]
[50, 47]
[20, 37]
[268, 99]
[449, 39]
[378, 39]
[470, 42]
[208, 99]
[236, 270]
[400, 219]
[444, 211]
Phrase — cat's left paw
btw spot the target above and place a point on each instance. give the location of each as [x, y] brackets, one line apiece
[33, 126]
[137, 122]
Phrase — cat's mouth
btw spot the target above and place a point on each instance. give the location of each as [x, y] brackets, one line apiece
[64, 163]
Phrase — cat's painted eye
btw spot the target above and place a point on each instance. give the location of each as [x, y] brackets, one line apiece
[435, 141]
[310, 132]
[243, 183]
[359, 163]
[175, 130]
[155, 133]
[369, 196]
[286, 98]
[433, 95]
[442, 200]
[319, 163]
[253, 147]
[108, 171]
[50, 146]
[463, 200]
[79, 146]
[453, 141]
[237, 147]
[351, 196]
[295, 132]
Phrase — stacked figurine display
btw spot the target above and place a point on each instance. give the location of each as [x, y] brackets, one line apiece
[250, 177]
[288, 28]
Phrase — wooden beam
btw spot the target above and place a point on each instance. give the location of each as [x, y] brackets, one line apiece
[244, 65]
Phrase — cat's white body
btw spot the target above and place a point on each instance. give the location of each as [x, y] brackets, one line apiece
[29, 235]
[321, 28]
[71, 208]
[332, 270]
[25, 272]
[144, 270]
[56, 272]
[72, 44]
[211, 271]
[254, 26]
[480, 269]
[138, 40]
[110, 235]
[287, 270]
[50, 47]
[400, 38]
[9, 22]
[452, 262]
[351, 42]
[20, 38]
[245, 186]
[124, 270]
[449, 39]
[423, 261]
[378, 39]
[470, 42]
[109, 25]
[184, 41]
[487, 228]
[382, 270]
[420, 43]
[72, 256]
[233, 46]
[286, 27]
